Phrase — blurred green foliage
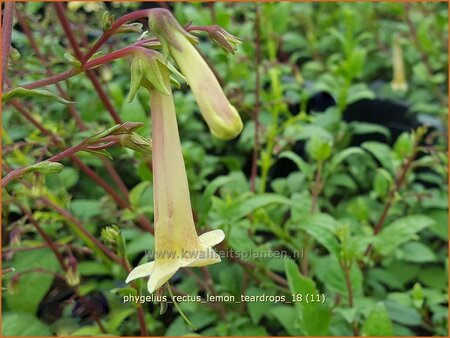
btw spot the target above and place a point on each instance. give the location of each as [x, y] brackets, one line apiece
[386, 281]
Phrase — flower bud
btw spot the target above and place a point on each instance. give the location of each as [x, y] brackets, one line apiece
[222, 38]
[221, 117]
[45, 167]
[136, 142]
[399, 82]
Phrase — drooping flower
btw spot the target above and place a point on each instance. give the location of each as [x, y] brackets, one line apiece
[222, 118]
[399, 82]
[176, 241]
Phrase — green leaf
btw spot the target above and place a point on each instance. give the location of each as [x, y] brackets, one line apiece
[403, 314]
[23, 324]
[331, 274]
[245, 205]
[136, 193]
[32, 286]
[342, 156]
[404, 145]
[288, 317]
[314, 317]
[361, 128]
[321, 227]
[378, 322]
[117, 316]
[381, 152]
[258, 309]
[399, 232]
[416, 252]
[358, 92]
[382, 182]
[86, 209]
[22, 92]
[319, 148]
[300, 162]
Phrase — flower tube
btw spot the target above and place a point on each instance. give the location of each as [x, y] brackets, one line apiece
[176, 241]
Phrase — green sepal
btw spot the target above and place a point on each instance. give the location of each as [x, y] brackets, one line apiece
[152, 72]
[23, 92]
[136, 77]
[136, 142]
[102, 152]
[118, 129]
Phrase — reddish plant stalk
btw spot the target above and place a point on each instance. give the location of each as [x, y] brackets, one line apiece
[390, 200]
[52, 245]
[348, 283]
[26, 29]
[255, 156]
[7, 26]
[60, 11]
[143, 221]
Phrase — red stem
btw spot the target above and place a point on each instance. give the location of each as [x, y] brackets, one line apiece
[7, 26]
[44, 235]
[254, 171]
[115, 26]
[143, 221]
[73, 112]
[397, 185]
[60, 11]
[67, 215]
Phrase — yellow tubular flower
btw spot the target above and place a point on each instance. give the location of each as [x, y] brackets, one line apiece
[399, 82]
[176, 241]
[222, 118]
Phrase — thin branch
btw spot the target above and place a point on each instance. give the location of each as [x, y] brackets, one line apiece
[316, 189]
[348, 283]
[60, 11]
[401, 175]
[16, 173]
[142, 220]
[254, 170]
[52, 245]
[7, 26]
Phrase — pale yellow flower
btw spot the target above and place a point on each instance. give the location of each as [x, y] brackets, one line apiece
[399, 82]
[176, 241]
